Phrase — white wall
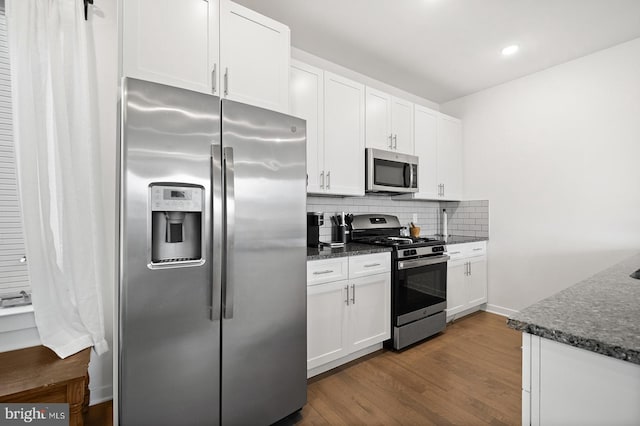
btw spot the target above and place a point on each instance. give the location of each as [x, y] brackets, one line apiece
[104, 21]
[557, 153]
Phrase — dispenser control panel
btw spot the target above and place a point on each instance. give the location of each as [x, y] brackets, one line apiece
[176, 198]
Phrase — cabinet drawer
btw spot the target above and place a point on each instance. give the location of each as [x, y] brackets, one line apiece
[476, 249]
[327, 270]
[369, 264]
[459, 251]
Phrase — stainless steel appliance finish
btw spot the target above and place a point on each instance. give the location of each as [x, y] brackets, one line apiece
[388, 171]
[419, 278]
[418, 330]
[216, 337]
[264, 344]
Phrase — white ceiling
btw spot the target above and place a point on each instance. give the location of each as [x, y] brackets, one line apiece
[444, 49]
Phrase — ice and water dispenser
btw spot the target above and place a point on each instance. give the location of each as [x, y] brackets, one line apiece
[176, 223]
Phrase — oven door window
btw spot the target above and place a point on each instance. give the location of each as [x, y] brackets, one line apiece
[391, 173]
[419, 288]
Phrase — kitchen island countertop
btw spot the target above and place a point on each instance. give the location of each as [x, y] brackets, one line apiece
[350, 249]
[600, 314]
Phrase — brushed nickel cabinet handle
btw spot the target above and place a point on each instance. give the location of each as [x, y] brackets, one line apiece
[322, 179]
[326, 271]
[226, 82]
[371, 265]
[214, 73]
[353, 294]
[347, 300]
[329, 179]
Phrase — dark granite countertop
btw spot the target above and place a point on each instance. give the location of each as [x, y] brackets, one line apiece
[351, 249]
[459, 239]
[600, 314]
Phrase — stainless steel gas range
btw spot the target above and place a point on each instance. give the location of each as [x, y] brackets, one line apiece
[419, 278]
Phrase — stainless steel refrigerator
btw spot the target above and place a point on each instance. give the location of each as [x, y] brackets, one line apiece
[212, 294]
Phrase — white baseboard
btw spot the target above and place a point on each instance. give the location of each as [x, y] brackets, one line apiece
[500, 310]
[101, 394]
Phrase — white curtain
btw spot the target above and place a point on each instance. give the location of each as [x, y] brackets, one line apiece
[58, 161]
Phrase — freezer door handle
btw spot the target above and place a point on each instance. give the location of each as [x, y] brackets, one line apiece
[230, 204]
[216, 232]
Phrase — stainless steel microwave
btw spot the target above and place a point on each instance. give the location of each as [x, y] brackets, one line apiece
[391, 171]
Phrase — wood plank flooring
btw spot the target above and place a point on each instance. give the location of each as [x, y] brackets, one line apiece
[468, 375]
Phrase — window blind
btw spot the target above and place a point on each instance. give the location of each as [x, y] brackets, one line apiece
[14, 276]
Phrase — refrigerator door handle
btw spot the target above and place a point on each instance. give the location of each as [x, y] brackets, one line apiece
[230, 204]
[216, 232]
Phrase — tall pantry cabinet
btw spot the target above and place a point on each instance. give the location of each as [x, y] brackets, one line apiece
[214, 46]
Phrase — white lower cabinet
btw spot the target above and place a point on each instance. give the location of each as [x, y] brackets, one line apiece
[466, 277]
[566, 385]
[347, 317]
[369, 319]
[326, 323]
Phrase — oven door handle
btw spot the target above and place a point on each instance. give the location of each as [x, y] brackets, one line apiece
[416, 263]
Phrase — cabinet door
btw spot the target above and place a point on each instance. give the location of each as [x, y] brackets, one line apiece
[306, 94]
[254, 57]
[370, 310]
[402, 125]
[343, 135]
[171, 42]
[477, 285]
[327, 337]
[450, 156]
[378, 120]
[456, 287]
[425, 146]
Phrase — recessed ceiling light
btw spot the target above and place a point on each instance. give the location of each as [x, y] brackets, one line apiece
[510, 50]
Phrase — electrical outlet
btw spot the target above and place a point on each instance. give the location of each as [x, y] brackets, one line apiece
[415, 218]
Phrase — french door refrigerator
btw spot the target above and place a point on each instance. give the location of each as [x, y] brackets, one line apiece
[212, 294]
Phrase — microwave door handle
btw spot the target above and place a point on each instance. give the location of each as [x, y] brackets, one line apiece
[411, 176]
[407, 175]
[229, 196]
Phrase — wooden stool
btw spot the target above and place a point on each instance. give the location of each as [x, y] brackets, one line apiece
[37, 375]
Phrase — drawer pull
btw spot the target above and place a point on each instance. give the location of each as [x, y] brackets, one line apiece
[327, 271]
[371, 265]
[454, 252]
[476, 249]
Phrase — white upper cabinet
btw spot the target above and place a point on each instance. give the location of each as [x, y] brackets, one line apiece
[213, 46]
[449, 158]
[378, 120]
[306, 92]
[254, 57]
[438, 145]
[173, 42]
[402, 125]
[334, 109]
[343, 135]
[426, 148]
[389, 122]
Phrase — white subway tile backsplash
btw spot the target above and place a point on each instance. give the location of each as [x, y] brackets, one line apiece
[467, 218]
